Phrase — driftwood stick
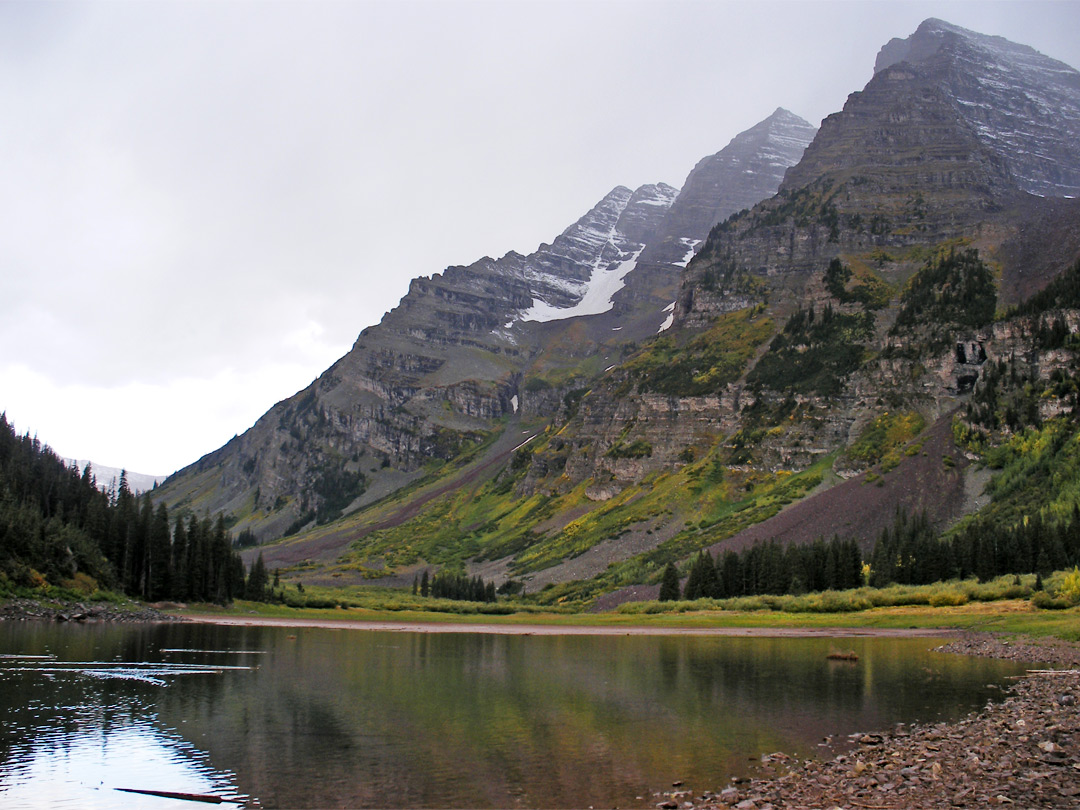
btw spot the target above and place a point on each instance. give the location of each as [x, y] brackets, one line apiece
[166, 794]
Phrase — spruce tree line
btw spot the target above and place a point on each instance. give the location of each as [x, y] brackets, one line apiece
[55, 524]
[769, 568]
[455, 585]
[911, 552]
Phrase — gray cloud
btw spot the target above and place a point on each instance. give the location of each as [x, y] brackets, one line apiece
[204, 191]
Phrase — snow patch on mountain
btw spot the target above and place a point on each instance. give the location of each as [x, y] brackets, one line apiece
[691, 248]
[596, 297]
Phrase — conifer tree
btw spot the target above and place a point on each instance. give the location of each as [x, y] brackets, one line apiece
[159, 556]
[257, 580]
[669, 584]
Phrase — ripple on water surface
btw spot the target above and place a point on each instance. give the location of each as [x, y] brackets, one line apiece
[71, 741]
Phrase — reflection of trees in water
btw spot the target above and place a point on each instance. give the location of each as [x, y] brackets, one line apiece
[369, 718]
[574, 720]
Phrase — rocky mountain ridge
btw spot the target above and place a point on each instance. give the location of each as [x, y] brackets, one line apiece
[449, 362]
[852, 328]
[1022, 104]
[745, 172]
[896, 186]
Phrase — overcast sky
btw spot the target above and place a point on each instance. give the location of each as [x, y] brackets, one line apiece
[203, 203]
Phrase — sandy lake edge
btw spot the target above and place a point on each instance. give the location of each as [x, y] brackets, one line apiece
[494, 628]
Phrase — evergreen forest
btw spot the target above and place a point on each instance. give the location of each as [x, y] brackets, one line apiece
[59, 530]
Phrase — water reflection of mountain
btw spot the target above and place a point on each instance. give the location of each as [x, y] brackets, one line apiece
[370, 719]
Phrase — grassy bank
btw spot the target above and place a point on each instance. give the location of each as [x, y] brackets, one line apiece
[1009, 615]
[1006, 604]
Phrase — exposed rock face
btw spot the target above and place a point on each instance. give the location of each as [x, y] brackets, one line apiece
[742, 174]
[896, 169]
[941, 144]
[618, 228]
[449, 360]
[1023, 105]
[910, 164]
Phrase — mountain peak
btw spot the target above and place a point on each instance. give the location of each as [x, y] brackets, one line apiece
[934, 34]
[1022, 105]
[740, 175]
[783, 116]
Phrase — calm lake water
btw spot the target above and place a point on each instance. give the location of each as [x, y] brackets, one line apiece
[305, 717]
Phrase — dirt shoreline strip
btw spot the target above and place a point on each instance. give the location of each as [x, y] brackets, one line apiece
[493, 628]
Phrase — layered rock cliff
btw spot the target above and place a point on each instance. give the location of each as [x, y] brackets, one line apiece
[441, 370]
[1021, 104]
[907, 178]
[745, 172]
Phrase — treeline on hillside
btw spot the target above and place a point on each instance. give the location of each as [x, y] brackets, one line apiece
[769, 568]
[814, 352]
[454, 585]
[986, 549]
[911, 552]
[1063, 292]
[954, 288]
[58, 528]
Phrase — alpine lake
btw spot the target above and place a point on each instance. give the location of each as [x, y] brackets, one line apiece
[261, 716]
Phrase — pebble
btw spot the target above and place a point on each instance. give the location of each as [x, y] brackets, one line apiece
[1021, 752]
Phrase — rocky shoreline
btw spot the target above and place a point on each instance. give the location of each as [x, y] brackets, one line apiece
[37, 610]
[1022, 752]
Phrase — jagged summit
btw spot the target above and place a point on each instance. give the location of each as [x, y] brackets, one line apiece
[740, 175]
[932, 34]
[953, 130]
[1021, 104]
[581, 270]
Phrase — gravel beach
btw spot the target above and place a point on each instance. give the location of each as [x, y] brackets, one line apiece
[1022, 752]
[36, 610]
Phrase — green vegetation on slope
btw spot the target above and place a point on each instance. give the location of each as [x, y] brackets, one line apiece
[721, 510]
[954, 290]
[868, 288]
[1061, 293]
[1037, 479]
[708, 362]
[1007, 603]
[488, 521]
[814, 353]
[882, 441]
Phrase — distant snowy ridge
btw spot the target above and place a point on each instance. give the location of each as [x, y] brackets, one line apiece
[108, 478]
[598, 250]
